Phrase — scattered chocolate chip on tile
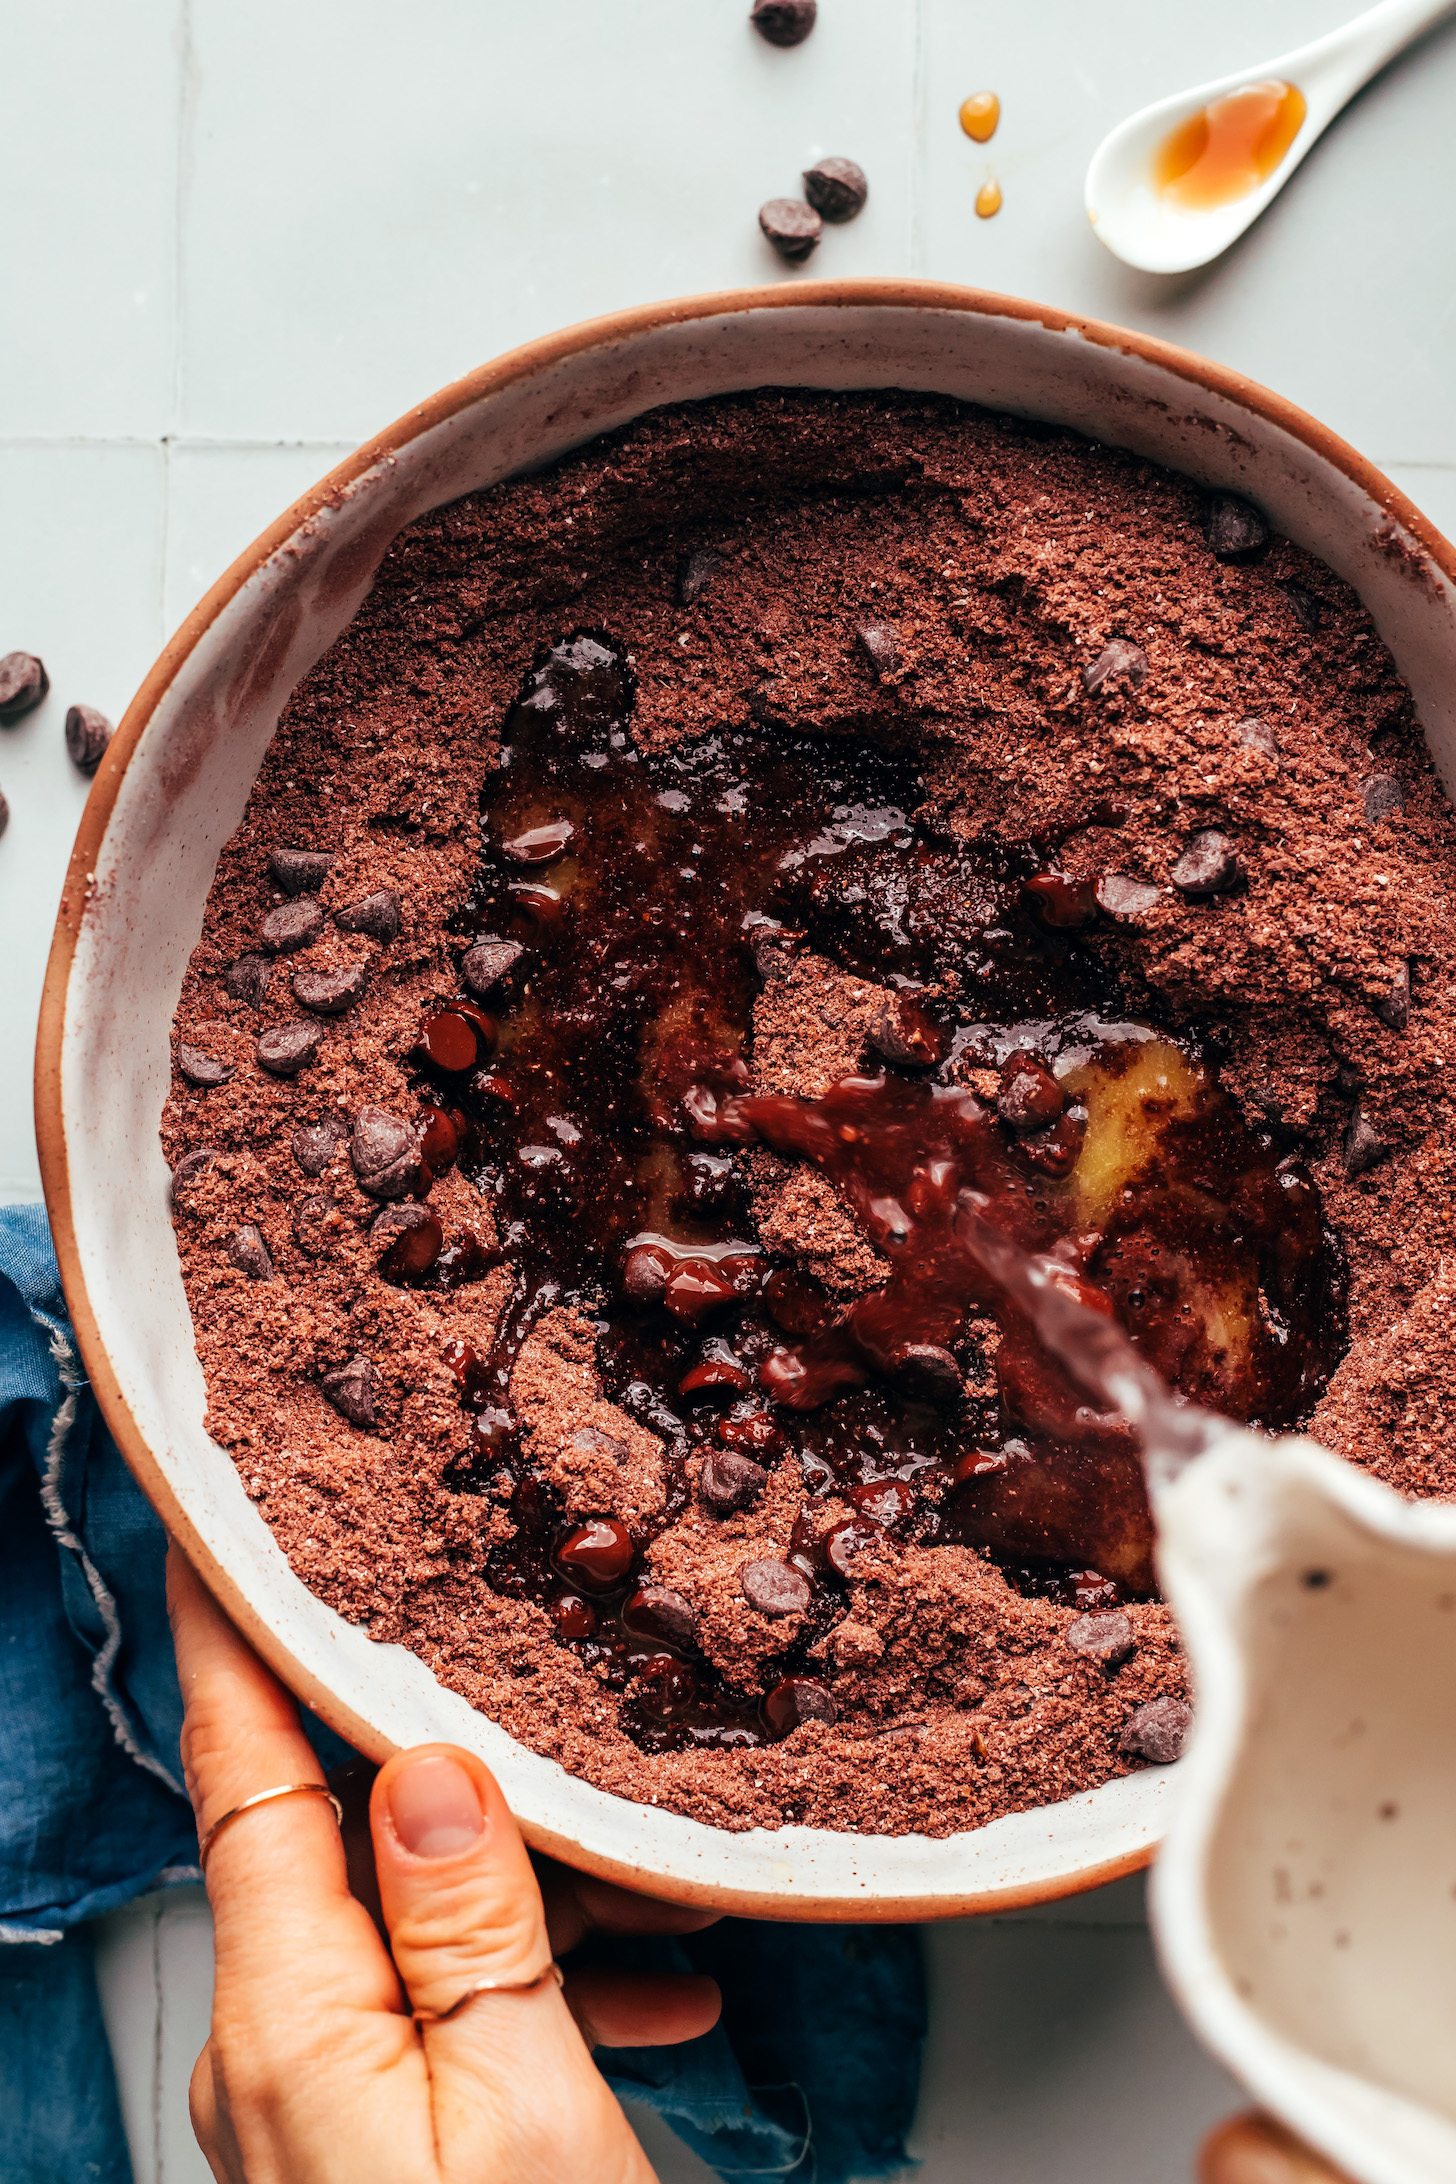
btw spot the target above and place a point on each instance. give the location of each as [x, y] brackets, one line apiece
[880, 644]
[1381, 794]
[730, 1481]
[316, 1143]
[292, 925]
[247, 980]
[1106, 1636]
[1394, 1008]
[23, 683]
[385, 1153]
[926, 1373]
[286, 1049]
[487, 962]
[794, 1701]
[1030, 1096]
[203, 1070]
[1157, 1731]
[1234, 527]
[87, 734]
[330, 993]
[775, 1588]
[1209, 864]
[300, 871]
[836, 188]
[377, 916]
[793, 227]
[1121, 897]
[1304, 604]
[659, 1613]
[1362, 1149]
[352, 1390]
[902, 1033]
[1120, 660]
[249, 1254]
[694, 573]
[408, 1237]
[188, 1172]
[1257, 735]
[783, 22]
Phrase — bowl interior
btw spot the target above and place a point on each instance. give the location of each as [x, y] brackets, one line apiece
[173, 789]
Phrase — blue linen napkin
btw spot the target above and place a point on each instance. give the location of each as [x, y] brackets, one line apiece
[812, 2072]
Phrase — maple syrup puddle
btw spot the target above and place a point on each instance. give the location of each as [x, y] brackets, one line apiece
[1229, 148]
[601, 1103]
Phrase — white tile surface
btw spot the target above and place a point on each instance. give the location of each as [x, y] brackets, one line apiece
[88, 226]
[80, 583]
[219, 499]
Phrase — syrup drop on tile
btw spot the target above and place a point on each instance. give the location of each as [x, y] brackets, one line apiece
[1229, 147]
[979, 115]
[988, 200]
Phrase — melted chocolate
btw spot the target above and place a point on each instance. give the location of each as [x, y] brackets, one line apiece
[602, 1104]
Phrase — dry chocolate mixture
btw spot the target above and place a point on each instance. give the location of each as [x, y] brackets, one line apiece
[697, 876]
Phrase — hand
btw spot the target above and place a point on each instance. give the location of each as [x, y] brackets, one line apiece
[1254, 2149]
[314, 2070]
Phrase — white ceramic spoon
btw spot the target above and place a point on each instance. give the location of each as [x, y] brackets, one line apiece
[1146, 230]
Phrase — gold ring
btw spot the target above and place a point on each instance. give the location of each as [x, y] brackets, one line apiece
[265, 1797]
[489, 1986]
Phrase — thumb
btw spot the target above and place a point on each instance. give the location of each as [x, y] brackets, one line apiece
[513, 2088]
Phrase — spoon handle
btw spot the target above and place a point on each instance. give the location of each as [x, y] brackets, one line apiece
[1374, 38]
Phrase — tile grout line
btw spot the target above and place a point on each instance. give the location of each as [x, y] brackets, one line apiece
[157, 2041]
[186, 110]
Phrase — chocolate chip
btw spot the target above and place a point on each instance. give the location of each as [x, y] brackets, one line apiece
[186, 1174]
[87, 734]
[926, 1371]
[1381, 794]
[1122, 897]
[880, 644]
[1156, 1731]
[1106, 1637]
[285, 1049]
[203, 1070]
[485, 964]
[539, 845]
[1362, 1149]
[1119, 661]
[377, 916]
[292, 925]
[693, 573]
[330, 993]
[598, 1443]
[656, 1611]
[1257, 735]
[794, 1701]
[409, 1239]
[597, 1555]
[1030, 1096]
[774, 1588]
[1395, 1008]
[385, 1153]
[352, 1390]
[247, 980]
[249, 1254]
[836, 188]
[793, 227]
[783, 22]
[315, 1145]
[316, 1222]
[300, 871]
[644, 1274]
[904, 1034]
[1306, 607]
[1234, 527]
[23, 683]
[1208, 865]
[730, 1481]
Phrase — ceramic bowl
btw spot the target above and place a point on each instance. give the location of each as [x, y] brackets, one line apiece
[172, 789]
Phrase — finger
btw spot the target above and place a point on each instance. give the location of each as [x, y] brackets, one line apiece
[462, 1906]
[1255, 2149]
[578, 1904]
[641, 2009]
